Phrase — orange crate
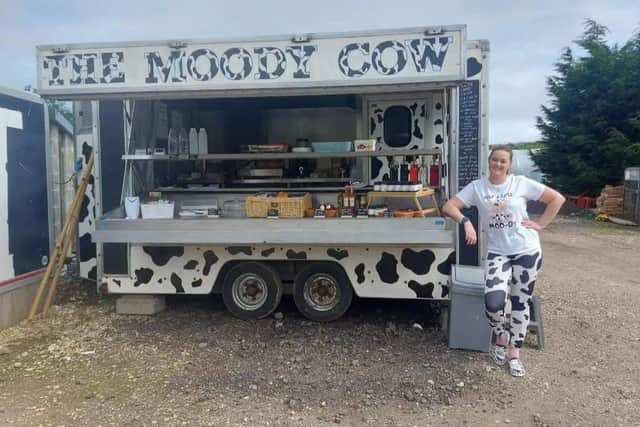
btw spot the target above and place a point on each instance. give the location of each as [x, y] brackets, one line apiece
[288, 207]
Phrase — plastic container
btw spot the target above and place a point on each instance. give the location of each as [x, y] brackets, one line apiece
[193, 142]
[468, 326]
[234, 209]
[158, 210]
[332, 147]
[132, 207]
[203, 141]
[183, 142]
[364, 145]
[172, 143]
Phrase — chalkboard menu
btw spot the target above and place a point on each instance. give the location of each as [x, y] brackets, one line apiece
[469, 133]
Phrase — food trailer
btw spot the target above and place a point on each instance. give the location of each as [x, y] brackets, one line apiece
[311, 164]
[25, 218]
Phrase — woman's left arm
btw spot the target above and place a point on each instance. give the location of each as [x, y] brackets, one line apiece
[554, 202]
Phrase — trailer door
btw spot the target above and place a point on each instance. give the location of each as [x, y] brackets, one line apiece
[24, 214]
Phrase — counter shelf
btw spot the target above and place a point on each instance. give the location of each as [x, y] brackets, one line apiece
[113, 228]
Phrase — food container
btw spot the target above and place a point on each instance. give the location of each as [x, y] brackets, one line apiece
[331, 213]
[309, 212]
[158, 210]
[301, 150]
[364, 145]
[289, 205]
[332, 147]
[234, 209]
[266, 148]
[404, 213]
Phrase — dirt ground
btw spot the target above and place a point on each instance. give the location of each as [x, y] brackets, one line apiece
[194, 364]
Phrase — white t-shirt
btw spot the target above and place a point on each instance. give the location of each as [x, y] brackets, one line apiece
[502, 209]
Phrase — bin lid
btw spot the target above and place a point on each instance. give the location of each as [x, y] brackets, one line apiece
[468, 274]
[468, 280]
[466, 288]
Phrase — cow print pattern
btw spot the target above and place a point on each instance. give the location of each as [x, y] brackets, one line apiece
[389, 272]
[162, 254]
[398, 64]
[380, 165]
[429, 51]
[176, 281]
[343, 60]
[301, 55]
[244, 56]
[267, 252]
[192, 65]
[86, 221]
[422, 291]
[337, 253]
[513, 277]
[235, 250]
[418, 262]
[263, 69]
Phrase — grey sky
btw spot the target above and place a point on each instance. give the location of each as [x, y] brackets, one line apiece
[526, 37]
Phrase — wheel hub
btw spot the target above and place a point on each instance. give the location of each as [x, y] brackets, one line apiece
[321, 292]
[249, 291]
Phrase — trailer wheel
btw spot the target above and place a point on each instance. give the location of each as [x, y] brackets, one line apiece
[322, 292]
[252, 290]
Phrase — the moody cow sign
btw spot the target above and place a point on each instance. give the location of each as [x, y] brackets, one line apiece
[391, 57]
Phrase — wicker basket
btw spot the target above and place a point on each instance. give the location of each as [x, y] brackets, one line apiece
[288, 207]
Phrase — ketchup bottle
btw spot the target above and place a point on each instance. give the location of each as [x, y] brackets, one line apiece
[414, 173]
[434, 174]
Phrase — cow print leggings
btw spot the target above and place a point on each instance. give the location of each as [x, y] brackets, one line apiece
[513, 276]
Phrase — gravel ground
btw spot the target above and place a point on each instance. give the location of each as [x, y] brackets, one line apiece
[384, 363]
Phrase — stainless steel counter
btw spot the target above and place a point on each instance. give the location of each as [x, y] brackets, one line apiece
[370, 231]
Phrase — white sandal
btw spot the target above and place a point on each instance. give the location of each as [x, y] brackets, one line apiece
[516, 368]
[499, 355]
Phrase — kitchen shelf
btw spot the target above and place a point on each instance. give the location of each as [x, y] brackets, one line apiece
[282, 156]
[289, 180]
[210, 189]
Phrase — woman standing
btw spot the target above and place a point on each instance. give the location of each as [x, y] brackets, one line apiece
[514, 255]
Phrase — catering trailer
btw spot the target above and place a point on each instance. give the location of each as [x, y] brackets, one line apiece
[25, 218]
[312, 164]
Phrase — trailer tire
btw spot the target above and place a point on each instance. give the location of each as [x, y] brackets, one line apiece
[322, 291]
[252, 290]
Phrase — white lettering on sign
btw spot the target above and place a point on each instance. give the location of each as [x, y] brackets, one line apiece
[8, 119]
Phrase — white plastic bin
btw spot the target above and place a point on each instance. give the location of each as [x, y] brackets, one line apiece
[158, 210]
